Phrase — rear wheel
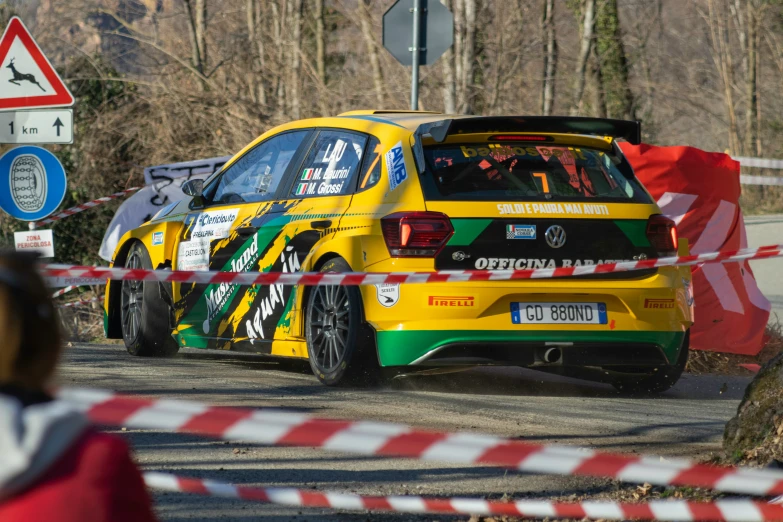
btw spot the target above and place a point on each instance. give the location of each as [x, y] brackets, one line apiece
[144, 314]
[340, 346]
[661, 380]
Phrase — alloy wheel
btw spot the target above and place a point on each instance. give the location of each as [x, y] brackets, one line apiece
[329, 325]
[132, 299]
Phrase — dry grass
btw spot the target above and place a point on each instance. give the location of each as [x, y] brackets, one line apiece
[701, 362]
[84, 322]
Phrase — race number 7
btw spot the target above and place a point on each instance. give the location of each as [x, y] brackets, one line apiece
[544, 181]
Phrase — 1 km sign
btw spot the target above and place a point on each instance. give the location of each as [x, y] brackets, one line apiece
[27, 79]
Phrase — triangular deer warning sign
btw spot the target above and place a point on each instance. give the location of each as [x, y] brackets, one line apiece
[27, 79]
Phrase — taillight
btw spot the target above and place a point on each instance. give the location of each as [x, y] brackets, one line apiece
[416, 234]
[662, 234]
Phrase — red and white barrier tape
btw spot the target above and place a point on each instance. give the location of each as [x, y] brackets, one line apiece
[86, 206]
[360, 278]
[65, 290]
[675, 510]
[275, 427]
[80, 303]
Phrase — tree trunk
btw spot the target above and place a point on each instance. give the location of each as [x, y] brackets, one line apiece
[467, 80]
[751, 77]
[279, 11]
[449, 78]
[365, 20]
[320, 41]
[255, 40]
[588, 26]
[615, 73]
[193, 33]
[550, 58]
[201, 31]
[723, 62]
[597, 85]
[297, 7]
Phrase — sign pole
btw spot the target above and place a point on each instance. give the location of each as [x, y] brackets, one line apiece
[416, 55]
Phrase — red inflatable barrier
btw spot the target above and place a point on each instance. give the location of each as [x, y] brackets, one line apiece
[700, 191]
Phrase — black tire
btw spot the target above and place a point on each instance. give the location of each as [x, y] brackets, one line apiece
[339, 358]
[144, 315]
[661, 380]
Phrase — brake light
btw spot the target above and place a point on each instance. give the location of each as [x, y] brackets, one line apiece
[519, 137]
[416, 234]
[662, 234]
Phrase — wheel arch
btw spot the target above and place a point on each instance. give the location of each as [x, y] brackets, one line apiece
[113, 325]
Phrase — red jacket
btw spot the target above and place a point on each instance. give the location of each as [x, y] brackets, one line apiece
[94, 481]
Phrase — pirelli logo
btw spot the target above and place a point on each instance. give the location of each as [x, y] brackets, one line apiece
[659, 304]
[467, 301]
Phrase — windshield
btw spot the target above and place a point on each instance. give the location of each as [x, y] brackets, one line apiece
[524, 171]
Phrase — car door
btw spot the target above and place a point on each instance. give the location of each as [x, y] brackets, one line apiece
[318, 195]
[232, 232]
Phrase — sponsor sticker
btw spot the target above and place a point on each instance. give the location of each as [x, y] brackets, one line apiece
[452, 301]
[520, 231]
[276, 299]
[659, 304]
[193, 255]
[395, 166]
[578, 209]
[157, 238]
[213, 225]
[511, 263]
[388, 294]
[220, 295]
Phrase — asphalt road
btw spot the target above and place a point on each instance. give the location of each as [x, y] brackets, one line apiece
[686, 421]
[767, 230]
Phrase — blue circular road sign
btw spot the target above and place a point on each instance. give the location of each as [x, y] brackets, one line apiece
[32, 183]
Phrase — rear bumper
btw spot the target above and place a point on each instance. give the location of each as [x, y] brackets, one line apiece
[527, 348]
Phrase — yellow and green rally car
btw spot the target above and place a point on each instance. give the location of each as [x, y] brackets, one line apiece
[395, 191]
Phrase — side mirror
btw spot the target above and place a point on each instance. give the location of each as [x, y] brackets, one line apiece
[193, 187]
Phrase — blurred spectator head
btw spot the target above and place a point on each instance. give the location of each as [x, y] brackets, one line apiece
[31, 340]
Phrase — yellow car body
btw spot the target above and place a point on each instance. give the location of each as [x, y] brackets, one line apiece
[647, 314]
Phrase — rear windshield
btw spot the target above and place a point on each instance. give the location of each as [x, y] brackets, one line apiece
[524, 171]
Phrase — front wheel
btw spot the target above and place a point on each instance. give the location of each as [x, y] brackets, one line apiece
[340, 346]
[144, 315]
[661, 380]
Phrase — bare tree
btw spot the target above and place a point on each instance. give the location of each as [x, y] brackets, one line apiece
[255, 38]
[588, 26]
[320, 40]
[196, 33]
[449, 74]
[468, 58]
[368, 33]
[550, 58]
[721, 53]
[296, 6]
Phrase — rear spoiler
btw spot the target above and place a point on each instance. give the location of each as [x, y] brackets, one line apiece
[629, 130]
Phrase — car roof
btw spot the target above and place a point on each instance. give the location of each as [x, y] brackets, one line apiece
[410, 120]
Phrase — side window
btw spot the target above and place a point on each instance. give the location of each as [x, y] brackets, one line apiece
[331, 166]
[257, 174]
[371, 170]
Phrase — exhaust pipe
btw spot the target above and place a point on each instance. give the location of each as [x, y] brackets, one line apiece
[553, 355]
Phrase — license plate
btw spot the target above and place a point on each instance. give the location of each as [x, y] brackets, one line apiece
[558, 313]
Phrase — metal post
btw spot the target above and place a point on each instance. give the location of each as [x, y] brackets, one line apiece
[416, 53]
[31, 225]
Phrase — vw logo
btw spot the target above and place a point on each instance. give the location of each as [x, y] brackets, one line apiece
[555, 236]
